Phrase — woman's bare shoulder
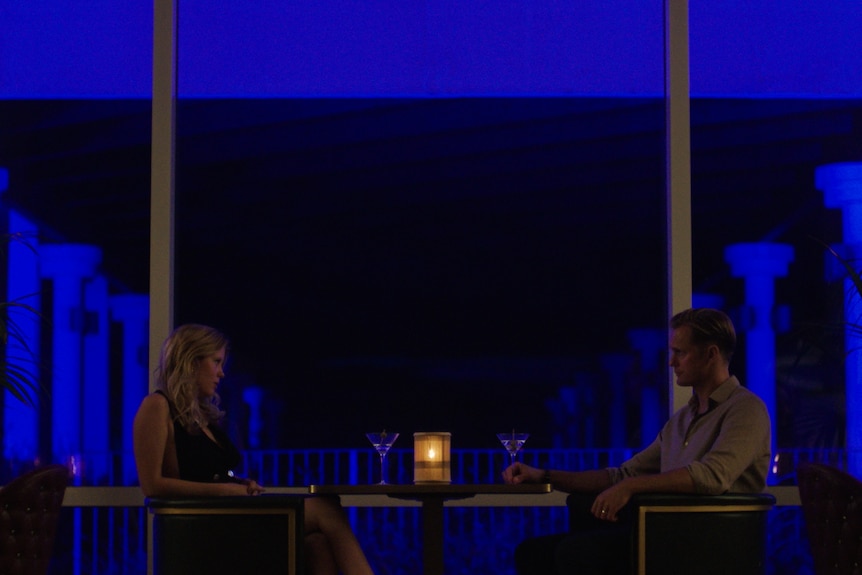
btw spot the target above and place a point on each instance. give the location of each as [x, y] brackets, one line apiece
[155, 403]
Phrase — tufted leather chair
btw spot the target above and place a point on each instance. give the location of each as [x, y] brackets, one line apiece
[832, 507]
[29, 513]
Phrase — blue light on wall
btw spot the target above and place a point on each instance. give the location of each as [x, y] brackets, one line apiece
[270, 48]
[58, 49]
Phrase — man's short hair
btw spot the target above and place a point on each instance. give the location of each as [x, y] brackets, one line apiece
[708, 327]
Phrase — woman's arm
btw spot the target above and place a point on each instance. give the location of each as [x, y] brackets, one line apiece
[152, 434]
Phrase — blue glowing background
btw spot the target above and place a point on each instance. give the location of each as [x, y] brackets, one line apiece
[427, 151]
[271, 49]
[400, 203]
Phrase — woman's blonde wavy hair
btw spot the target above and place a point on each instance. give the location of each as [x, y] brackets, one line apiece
[176, 375]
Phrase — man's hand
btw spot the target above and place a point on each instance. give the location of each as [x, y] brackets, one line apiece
[520, 473]
[609, 502]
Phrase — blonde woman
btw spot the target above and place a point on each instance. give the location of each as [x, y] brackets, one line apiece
[181, 451]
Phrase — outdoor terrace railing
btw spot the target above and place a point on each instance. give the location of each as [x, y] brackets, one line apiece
[103, 530]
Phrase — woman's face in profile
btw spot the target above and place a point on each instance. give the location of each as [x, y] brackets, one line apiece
[210, 370]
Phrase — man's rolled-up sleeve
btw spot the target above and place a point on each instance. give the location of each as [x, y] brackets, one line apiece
[743, 437]
[647, 461]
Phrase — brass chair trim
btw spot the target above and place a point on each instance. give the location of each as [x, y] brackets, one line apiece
[224, 511]
[642, 513]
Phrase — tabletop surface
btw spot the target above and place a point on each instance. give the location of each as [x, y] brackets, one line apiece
[430, 489]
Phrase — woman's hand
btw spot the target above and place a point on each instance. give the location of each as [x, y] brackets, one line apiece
[239, 489]
[244, 486]
[253, 488]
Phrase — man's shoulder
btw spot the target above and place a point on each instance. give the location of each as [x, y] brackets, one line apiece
[742, 393]
[743, 398]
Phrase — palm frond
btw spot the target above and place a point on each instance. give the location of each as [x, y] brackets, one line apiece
[854, 275]
[17, 357]
[15, 377]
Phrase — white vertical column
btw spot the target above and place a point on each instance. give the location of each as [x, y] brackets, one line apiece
[678, 172]
[68, 266]
[133, 313]
[759, 264]
[841, 185]
[162, 167]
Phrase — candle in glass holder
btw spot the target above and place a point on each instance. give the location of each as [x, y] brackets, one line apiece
[431, 459]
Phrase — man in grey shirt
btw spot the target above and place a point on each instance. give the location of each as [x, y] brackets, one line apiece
[718, 443]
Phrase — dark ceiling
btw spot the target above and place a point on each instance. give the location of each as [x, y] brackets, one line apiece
[353, 221]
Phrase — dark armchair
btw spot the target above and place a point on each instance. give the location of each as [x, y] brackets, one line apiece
[677, 534]
[832, 508]
[29, 513]
[228, 535]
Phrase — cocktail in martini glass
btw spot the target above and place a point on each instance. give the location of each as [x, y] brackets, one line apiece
[382, 441]
[513, 442]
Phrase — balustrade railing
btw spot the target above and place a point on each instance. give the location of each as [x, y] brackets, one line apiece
[102, 537]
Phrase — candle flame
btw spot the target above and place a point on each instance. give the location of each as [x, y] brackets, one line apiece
[431, 453]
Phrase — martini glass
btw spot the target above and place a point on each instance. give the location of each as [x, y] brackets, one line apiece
[382, 441]
[513, 442]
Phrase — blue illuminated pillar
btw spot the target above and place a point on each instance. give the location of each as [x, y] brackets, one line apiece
[20, 421]
[253, 397]
[96, 407]
[651, 345]
[841, 185]
[68, 265]
[617, 366]
[132, 311]
[759, 264]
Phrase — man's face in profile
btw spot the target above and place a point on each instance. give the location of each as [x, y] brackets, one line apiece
[689, 362]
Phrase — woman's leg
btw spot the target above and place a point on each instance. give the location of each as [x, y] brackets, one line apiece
[324, 515]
